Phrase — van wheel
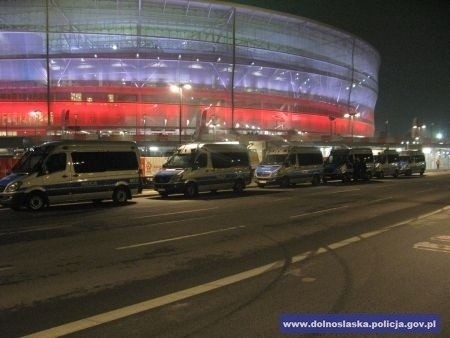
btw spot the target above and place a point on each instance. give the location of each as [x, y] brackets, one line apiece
[421, 173]
[285, 182]
[191, 190]
[36, 201]
[120, 195]
[315, 180]
[395, 174]
[239, 187]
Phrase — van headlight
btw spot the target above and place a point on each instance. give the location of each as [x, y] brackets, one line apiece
[275, 173]
[13, 187]
[177, 178]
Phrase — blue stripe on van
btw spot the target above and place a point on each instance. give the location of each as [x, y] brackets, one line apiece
[88, 186]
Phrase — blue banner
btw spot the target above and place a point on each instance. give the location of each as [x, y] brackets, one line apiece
[360, 323]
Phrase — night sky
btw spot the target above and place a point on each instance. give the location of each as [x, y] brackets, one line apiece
[413, 39]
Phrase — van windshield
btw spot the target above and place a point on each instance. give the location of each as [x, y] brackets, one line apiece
[32, 160]
[274, 159]
[179, 161]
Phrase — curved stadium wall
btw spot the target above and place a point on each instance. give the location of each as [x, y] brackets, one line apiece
[102, 66]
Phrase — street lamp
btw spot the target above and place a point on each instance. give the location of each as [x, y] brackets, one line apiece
[418, 128]
[179, 89]
[352, 116]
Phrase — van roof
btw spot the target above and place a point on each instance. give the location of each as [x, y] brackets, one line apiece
[90, 144]
[293, 149]
[411, 152]
[219, 146]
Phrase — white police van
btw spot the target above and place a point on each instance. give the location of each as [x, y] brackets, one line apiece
[412, 162]
[387, 163]
[71, 170]
[199, 167]
[288, 165]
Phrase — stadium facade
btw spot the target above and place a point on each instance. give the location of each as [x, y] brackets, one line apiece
[104, 67]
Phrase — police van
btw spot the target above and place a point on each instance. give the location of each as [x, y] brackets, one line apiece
[387, 163]
[349, 164]
[69, 171]
[199, 167]
[289, 165]
[412, 162]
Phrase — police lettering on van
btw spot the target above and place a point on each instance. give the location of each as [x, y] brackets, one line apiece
[288, 165]
[68, 171]
[194, 168]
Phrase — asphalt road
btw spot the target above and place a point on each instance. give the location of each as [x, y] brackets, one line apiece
[223, 265]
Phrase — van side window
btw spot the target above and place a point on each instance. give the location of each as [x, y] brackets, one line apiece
[219, 160]
[56, 162]
[292, 159]
[239, 159]
[420, 158]
[231, 159]
[91, 162]
[309, 159]
[202, 160]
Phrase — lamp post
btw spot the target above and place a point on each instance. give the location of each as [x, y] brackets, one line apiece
[179, 89]
[352, 116]
[331, 118]
[419, 129]
[144, 120]
[5, 118]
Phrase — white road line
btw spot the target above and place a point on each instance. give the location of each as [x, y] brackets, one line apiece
[341, 191]
[301, 257]
[372, 233]
[175, 213]
[441, 238]
[126, 311]
[380, 200]
[36, 229]
[6, 268]
[319, 211]
[432, 247]
[179, 237]
[345, 242]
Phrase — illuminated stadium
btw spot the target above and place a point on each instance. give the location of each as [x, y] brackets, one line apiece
[96, 68]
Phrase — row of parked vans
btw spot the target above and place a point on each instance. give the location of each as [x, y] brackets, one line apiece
[209, 167]
[68, 171]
